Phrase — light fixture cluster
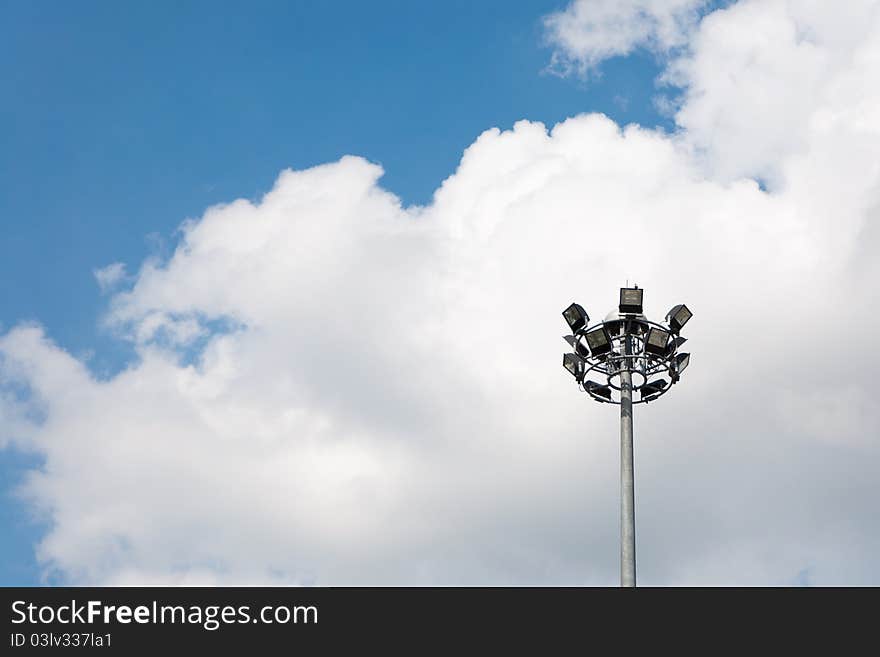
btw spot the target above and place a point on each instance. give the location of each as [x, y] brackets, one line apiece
[626, 341]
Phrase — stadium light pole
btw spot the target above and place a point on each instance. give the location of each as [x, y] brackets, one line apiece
[627, 479]
[631, 353]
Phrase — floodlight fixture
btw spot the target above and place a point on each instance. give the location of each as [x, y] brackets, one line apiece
[576, 317]
[653, 388]
[574, 364]
[681, 362]
[678, 317]
[674, 343]
[678, 365]
[656, 341]
[598, 390]
[598, 341]
[636, 326]
[631, 300]
[613, 327]
[578, 345]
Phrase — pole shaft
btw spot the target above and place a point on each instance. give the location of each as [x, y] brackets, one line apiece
[627, 479]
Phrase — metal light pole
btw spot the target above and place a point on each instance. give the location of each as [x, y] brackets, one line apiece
[632, 354]
[627, 481]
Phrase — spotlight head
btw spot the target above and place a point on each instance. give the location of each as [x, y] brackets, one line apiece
[681, 362]
[578, 345]
[613, 328]
[636, 327]
[674, 344]
[656, 341]
[631, 300]
[598, 391]
[574, 364]
[678, 317]
[678, 366]
[576, 317]
[598, 341]
[653, 388]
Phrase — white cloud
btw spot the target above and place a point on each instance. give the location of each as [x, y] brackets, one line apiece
[770, 83]
[110, 276]
[588, 32]
[333, 388]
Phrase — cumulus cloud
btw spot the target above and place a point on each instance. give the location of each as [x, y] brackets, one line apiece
[333, 388]
[770, 83]
[110, 276]
[588, 32]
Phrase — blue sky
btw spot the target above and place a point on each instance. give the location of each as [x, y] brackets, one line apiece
[119, 121]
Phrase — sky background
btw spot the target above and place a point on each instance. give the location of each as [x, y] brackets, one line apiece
[750, 175]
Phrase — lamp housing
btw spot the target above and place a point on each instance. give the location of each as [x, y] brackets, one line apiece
[574, 364]
[598, 341]
[578, 345]
[678, 317]
[576, 317]
[678, 365]
[631, 300]
[656, 341]
[603, 393]
[674, 344]
[636, 327]
[653, 388]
